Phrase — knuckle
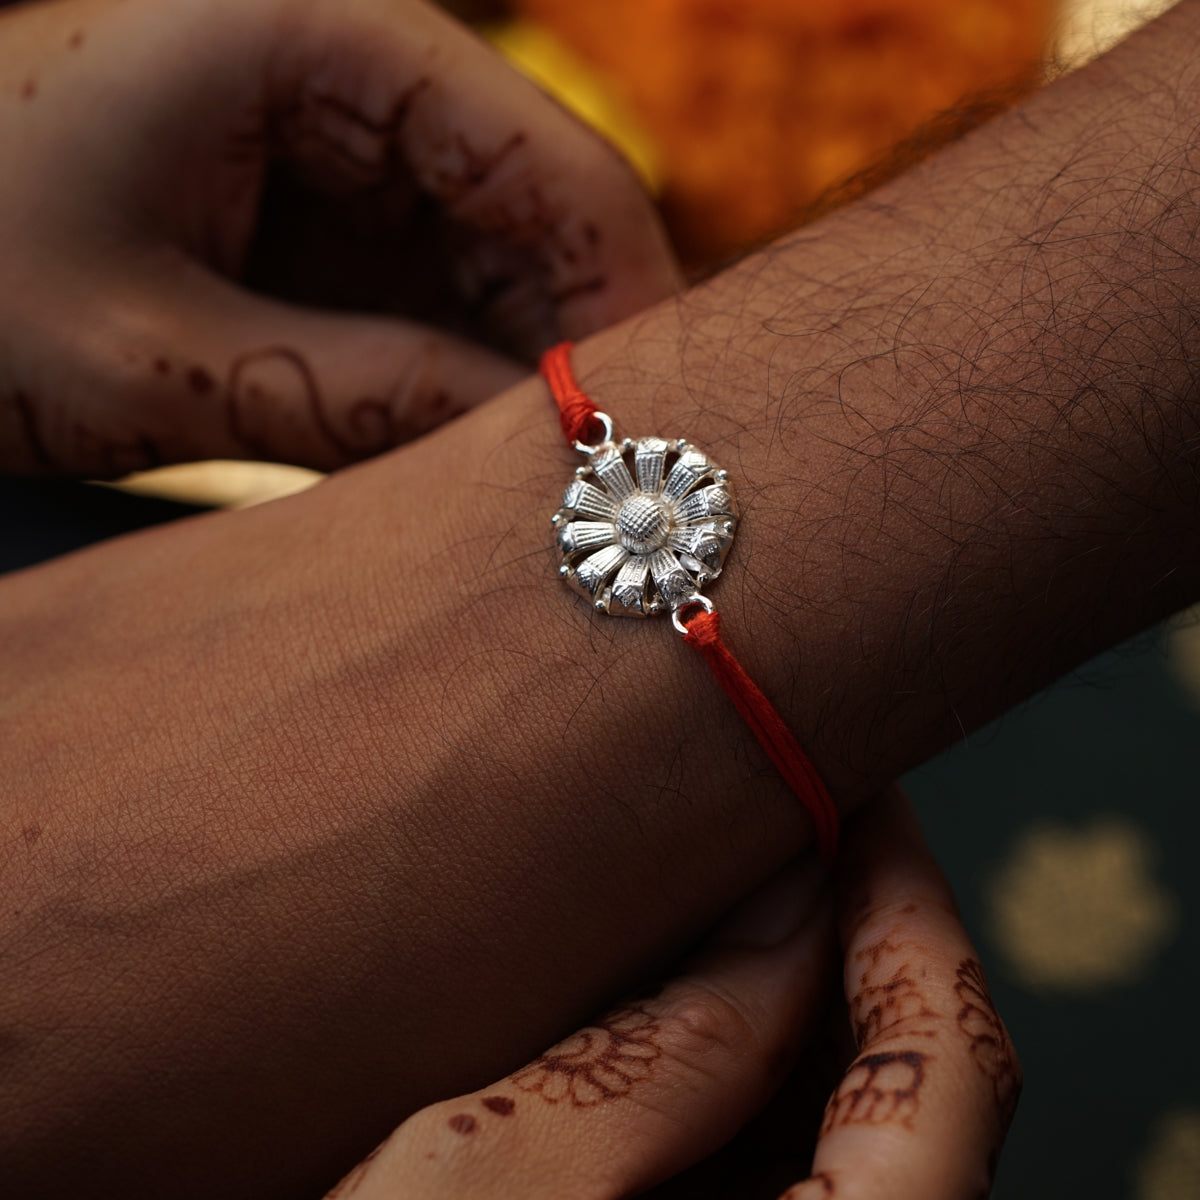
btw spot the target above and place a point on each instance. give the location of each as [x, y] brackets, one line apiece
[708, 1022]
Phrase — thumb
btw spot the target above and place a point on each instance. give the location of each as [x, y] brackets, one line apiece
[210, 370]
[255, 377]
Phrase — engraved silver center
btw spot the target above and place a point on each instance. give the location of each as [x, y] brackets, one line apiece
[643, 524]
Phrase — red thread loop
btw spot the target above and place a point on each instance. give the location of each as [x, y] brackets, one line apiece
[704, 634]
[577, 414]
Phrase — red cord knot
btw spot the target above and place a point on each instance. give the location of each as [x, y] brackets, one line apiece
[703, 630]
[576, 412]
[577, 415]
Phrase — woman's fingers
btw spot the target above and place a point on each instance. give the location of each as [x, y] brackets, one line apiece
[225, 373]
[351, 156]
[551, 234]
[646, 1091]
[923, 1110]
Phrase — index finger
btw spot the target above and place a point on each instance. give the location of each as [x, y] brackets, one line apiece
[377, 83]
[923, 1109]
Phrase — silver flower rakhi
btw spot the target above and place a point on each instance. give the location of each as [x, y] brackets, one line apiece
[643, 527]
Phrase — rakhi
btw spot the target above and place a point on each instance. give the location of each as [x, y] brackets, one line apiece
[644, 541]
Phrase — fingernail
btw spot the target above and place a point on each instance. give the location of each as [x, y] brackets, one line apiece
[771, 915]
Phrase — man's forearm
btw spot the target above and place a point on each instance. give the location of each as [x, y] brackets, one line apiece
[346, 797]
[962, 412]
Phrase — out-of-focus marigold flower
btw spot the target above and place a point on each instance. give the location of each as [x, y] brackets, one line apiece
[756, 107]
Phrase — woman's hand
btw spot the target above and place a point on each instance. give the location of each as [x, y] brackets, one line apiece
[186, 186]
[920, 1113]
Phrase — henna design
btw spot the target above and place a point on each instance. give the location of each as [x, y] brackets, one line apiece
[238, 389]
[113, 457]
[502, 1106]
[889, 1010]
[602, 1062]
[350, 153]
[371, 423]
[895, 1008]
[878, 1089]
[876, 950]
[27, 415]
[98, 454]
[302, 125]
[376, 427]
[990, 1045]
[462, 1123]
[476, 166]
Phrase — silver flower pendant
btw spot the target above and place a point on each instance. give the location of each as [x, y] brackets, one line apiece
[645, 525]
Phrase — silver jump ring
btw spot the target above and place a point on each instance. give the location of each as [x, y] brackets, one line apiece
[694, 599]
[607, 422]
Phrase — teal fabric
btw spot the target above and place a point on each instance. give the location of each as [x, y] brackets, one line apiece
[1111, 1106]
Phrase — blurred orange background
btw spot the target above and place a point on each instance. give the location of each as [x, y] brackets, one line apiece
[753, 108]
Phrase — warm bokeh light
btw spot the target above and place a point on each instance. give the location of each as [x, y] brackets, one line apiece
[755, 107]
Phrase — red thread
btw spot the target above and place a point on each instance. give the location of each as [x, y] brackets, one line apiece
[704, 634]
[577, 412]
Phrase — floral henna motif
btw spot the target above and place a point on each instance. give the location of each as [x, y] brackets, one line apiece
[878, 1089]
[890, 1010]
[896, 1008]
[352, 150]
[472, 168]
[110, 457]
[255, 376]
[991, 1047]
[603, 1062]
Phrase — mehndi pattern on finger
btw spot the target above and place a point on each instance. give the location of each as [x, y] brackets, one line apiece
[878, 1089]
[990, 1045]
[894, 1008]
[602, 1062]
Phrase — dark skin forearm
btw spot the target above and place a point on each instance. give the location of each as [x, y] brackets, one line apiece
[965, 422]
[323, 810]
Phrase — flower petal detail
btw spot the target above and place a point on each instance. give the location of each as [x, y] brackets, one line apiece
[585, 535]
[589, 501]
[670, 578]
[708, 502]
[648, 461]
[690, 467]
[610, 468]
[637, 543]
[703, 547]
[629, 587]
[596, 568]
